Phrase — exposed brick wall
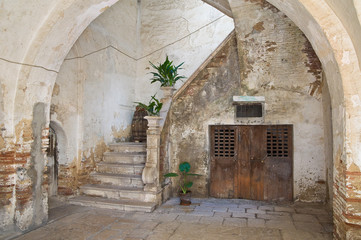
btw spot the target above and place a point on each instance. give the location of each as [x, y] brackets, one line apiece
[7, 172]
[18, 176]
[339, 202]
[67, 180]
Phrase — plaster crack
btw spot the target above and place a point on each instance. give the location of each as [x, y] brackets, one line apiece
[29, 65]
[187, 24]
[291, 90]
[182, 38]
[99, 50]
[147, 55]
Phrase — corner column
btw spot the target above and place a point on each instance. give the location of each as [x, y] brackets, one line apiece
[150, 174]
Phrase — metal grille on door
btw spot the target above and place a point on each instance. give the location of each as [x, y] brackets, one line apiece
[277, 141]
[224, 142]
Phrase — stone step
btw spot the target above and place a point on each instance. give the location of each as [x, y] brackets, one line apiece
[117, 192]
[119, 204]
[127, 147]
[120, 168]
[118, 179]
[129, 158]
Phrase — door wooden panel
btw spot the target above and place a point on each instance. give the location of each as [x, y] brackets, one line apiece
[252, 162]
[279, 164]
[257, 158]
[244, 164]
[223, 162]
[251, 156]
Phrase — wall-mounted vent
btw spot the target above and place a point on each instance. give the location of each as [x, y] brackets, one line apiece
[249, 109]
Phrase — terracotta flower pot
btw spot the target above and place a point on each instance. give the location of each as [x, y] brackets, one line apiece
[185, 198]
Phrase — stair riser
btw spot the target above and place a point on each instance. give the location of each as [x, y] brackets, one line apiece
[115, 194]
[129, 170]
[114, 206]
[124, 182]
[136, 159]
[127, 148]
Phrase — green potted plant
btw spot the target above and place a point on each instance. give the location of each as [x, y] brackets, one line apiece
[184, 184]
[153, 108]
[167, 75]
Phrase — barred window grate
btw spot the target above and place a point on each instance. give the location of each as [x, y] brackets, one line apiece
[278, 142]
[249, 110]
[224, 142]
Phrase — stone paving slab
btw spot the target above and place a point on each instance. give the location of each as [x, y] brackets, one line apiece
[256, 223]
[205, 219]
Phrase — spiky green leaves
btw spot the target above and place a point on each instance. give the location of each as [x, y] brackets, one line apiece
[153, 108]
[166, 74]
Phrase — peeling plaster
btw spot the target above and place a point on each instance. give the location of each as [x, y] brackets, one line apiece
[356, 100]
[346, 57]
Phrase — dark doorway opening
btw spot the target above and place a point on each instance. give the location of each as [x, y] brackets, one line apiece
[52, 154]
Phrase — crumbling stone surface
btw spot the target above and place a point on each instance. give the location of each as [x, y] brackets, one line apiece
[207, 98]
[269, 57]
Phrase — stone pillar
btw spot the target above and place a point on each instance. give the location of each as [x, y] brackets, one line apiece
[167, 101]
[150, 174]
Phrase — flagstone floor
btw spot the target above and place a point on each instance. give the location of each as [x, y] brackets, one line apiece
[205, 219]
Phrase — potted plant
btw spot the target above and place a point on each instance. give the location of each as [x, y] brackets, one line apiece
[185, 194]
[167, 75]
[153, 108]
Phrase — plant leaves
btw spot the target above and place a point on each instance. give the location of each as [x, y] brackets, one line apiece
[193, 174]
[166, 73]
[188, 184]
[184, 167]
[153, 108]
[171, 175]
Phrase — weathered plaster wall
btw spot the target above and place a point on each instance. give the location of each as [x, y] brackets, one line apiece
[350, 17]
[207, 100]
[176, 29]
[279, 63]
[93, 98]
[35, 38]
[337, 53]
[94, 93]
[276, 61]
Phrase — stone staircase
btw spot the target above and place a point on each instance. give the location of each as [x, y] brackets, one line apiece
[119, 181]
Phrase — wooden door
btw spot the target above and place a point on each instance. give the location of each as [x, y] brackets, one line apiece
[279, 163]
[223, 162]
[251, 154]
[251, 162]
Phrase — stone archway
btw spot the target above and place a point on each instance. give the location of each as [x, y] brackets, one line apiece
[325, 31]
[29, 79]
[55, 36]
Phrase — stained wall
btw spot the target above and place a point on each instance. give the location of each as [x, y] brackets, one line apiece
[176, 29]
[274, 60]
[107, 70]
